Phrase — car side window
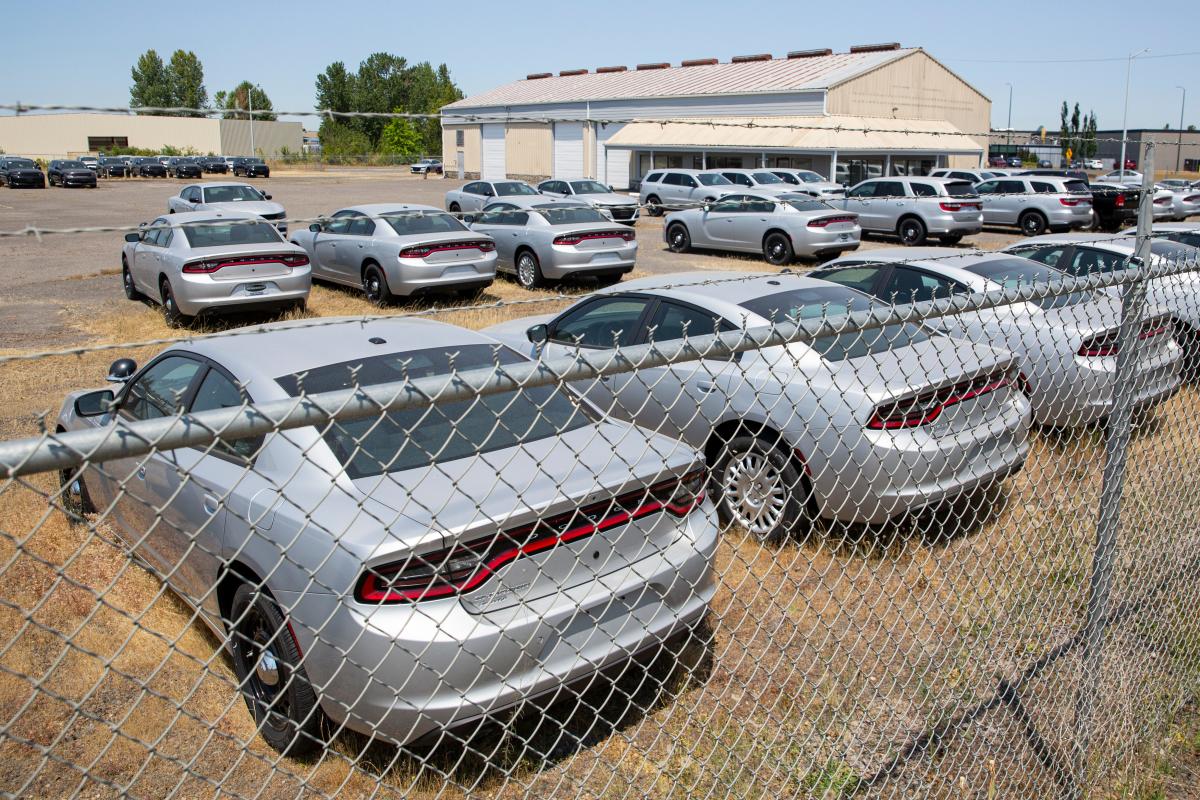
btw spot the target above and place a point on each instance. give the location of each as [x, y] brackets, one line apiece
[160, 390]
[688, 182]
[1042, 187]
[889, 189]
[602, 323]
[731, 204]
[1087, 261]
[159, 234]
[1011, 187]
[670, 179]
[907, 285]
[924, 190]
[218, 391]
[987, 187]
[654, 177]
[473, 188]
[863, 190]
[738, 178]
[673, 321]
[361, 226]
[341, 222]
[862, 277]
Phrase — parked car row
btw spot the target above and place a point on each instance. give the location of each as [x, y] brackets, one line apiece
[411, 555]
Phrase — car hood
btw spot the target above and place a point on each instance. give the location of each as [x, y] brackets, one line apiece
[259, 207]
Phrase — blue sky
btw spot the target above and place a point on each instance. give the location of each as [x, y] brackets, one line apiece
[283, 47]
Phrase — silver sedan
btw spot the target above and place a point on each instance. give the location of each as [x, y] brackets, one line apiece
[780, 227]
[858, 427]
[477, 194]
[213, 261]
[542, 240]
[228, 197]
[621, 207]
[1065, 344]
[1185, 201]
[398, 250]
[377, 571]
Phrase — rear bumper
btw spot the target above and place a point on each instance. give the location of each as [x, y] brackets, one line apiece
[413, 276]
[949, 223]
[814, 242]
[563, 261]
[195, 294]
[1088, 396]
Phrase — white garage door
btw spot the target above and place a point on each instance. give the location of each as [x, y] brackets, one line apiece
[568, 150]
[492, 158]
[612, 166]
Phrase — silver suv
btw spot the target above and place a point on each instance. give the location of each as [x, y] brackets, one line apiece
[916, 208]
[681, 188]
[1035, 203]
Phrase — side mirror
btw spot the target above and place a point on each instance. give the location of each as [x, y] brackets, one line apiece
[469, 219]
[612, 188]
[488, 193]
[707, 207]
[133, 237]
[94, 404]
[121, 370]
[538, 334]
[315, 227]
[266, 196]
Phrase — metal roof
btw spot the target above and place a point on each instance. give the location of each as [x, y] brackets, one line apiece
[832, 132]
[752, 77]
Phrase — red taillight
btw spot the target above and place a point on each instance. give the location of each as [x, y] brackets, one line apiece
[209, 266]
[824, 222]
[465, 567]
[1074, 201]
[1195, 198]
[1120, 201]
[420, 251]
[576, 238]
[925, 408]
[1107, 344]
[961, 206]
[1162, 201]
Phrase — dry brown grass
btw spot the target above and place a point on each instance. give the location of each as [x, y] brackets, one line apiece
[827, 654]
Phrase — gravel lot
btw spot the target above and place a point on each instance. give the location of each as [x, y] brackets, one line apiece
[48, 283]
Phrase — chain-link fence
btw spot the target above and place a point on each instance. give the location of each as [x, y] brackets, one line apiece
[924, 528]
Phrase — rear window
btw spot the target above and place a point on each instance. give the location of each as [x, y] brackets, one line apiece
[794, 305]
[960, 189]
[222, 233]
[1077, 187]
[569, 215]
[416, 223]
[802, 202]
[654, 177]
[422, 437]
[1020, 273]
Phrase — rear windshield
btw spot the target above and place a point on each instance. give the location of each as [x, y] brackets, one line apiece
[422, 437]
[1020, 273]
[1173, 251]
[1077, 187]
[222, 233]
[794, 305]
[802, 202]
[230, 194]
[512, 188]
[714, 180]
[568, 215]
[410, 224]
[961, 189]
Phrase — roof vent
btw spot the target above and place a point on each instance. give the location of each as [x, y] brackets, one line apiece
[698, 62]
[660, 65]
[810, 53]
[611, 69]
[875, 48]
[567, 72]
[534, 76]
[755, 57]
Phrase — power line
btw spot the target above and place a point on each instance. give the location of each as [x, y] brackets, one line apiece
[1067, 60]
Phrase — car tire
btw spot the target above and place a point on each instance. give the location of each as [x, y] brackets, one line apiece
[131, 291]
[529, 270]
[271, 675]
[1032, 223]
[777, 249]
[759, 488]
[73, 497]
[950, 239]
[171, 313]
[654, 206]
[455, 208]
[375, 286]
[912, 232]
[678, 238]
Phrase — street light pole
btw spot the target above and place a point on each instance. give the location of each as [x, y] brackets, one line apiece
[1125, 117]
[1179, 146]
[250, 100]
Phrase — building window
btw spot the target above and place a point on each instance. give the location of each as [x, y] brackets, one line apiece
[460, 137]
[1191, 165]
[98, 143]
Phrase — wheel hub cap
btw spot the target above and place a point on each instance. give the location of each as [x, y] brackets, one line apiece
[755, 492]
[267, 669]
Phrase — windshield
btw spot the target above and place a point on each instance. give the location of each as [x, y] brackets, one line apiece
[415, 223]
[422, 437]
[1190, 238]
[714, 180]
[1019, 273]
[230, 194]
[569, 215]
[223, 233]
[511, 188]
[794, 305]
[589, 187]
[71, 165]
[809, 177]
[802, 202]
[21, 163]
[766, 177]
[961, 189]
[1173, 251]
[253, 160]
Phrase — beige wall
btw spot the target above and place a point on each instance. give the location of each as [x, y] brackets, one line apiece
[470, 149]
[914, 87]
[528, 149]
[58, 135]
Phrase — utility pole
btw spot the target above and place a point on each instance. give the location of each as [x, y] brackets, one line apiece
[1125, 117]
[1179, 147]
[1010, 114]
[250, 100]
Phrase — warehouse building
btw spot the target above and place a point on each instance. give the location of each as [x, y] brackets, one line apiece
[878, 109]
[62, 135]
[1174, 150]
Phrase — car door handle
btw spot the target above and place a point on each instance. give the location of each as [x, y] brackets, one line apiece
[210, 504]
[706, 387]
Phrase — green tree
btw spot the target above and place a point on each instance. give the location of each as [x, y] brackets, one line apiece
[401, 138]
[151, 82]
[237, 103]
[342, 142]
[186, 76]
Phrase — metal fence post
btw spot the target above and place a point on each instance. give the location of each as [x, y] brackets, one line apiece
[1108, 525]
